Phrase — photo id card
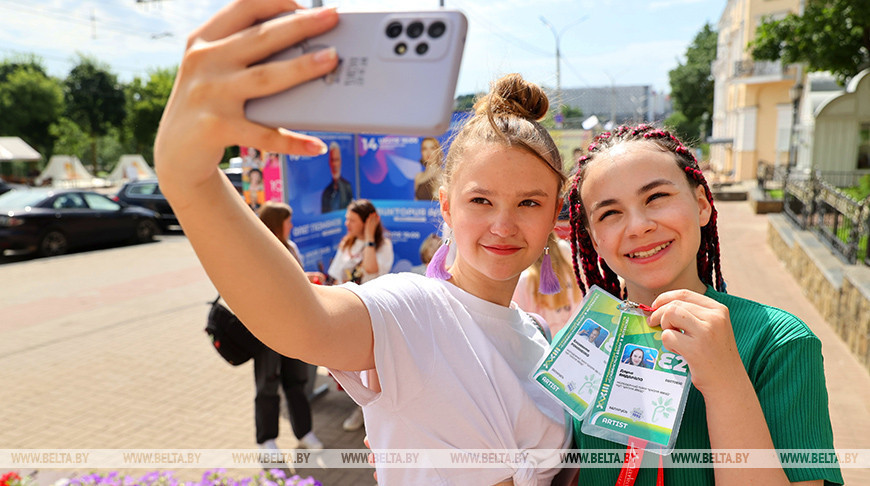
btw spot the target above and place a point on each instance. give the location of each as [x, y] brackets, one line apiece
[572, 371]
[644, 388]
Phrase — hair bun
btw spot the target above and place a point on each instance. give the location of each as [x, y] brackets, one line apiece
[513, 95]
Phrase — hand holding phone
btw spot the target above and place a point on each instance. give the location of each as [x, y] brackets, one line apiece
[205, 112]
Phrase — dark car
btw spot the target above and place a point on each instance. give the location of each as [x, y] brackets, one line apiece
[235, 176]
[6, 187]
[146, 193]
[53, 221]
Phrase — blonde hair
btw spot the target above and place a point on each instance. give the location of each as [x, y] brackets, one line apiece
[508, 115]
[564, 272]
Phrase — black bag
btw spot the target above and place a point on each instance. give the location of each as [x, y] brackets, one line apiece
[232, 340]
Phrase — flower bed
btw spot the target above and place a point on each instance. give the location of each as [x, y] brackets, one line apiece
[216, 477]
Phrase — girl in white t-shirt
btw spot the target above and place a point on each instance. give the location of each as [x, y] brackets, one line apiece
[453, 355]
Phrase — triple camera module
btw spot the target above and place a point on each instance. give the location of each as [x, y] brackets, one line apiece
[414, 31]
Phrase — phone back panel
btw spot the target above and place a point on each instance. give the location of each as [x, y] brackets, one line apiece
[392, 78]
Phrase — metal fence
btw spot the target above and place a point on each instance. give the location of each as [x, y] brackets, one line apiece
[815, 202]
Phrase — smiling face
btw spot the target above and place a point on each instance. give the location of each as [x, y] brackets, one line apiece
[637, 357]
[645, 218]
[501, 205]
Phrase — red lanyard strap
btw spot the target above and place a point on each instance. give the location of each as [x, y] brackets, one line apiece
[631, 464]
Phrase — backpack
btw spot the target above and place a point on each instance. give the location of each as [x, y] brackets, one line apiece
[229, 336]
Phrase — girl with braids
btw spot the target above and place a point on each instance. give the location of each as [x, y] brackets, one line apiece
[643, 226]
[452, 357]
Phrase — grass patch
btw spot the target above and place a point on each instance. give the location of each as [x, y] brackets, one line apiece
[775, 194]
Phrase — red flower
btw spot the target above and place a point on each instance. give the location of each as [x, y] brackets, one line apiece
[7, 478]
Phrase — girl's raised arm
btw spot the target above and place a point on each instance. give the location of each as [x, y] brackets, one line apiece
[205, 113]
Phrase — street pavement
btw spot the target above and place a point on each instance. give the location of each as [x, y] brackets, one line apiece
[106, 350]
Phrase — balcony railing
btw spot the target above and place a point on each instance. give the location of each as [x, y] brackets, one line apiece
[749, 68]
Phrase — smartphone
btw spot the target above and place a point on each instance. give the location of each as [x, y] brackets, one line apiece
[397, 74]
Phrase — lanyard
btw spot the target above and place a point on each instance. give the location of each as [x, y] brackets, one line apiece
[633, 456]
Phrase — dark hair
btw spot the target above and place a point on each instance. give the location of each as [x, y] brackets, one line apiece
[594, 269]
[363, 208]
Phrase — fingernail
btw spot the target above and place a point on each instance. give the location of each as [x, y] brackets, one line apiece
[323, 12]
[325, 55]
[315, 147]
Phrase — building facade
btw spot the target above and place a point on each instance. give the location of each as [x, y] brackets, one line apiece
[753, 111]
[617, 104]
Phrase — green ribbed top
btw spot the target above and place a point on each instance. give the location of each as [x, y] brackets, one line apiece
[783, 359]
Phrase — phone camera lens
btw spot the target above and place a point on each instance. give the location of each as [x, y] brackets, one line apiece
[401, 48]
[422, 48]
[415, 29]
[437, 29]
[394, 30]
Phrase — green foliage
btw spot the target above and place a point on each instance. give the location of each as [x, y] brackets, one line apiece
[692, 85]
[70, 138]
[464, 102]
[831, 35]
[859, 192]
[679, 124]
[146, 100]
[11, 65]
[573, 117]
[94, 100]
[30, 102]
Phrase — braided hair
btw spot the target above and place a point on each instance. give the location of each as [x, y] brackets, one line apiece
[589, 267]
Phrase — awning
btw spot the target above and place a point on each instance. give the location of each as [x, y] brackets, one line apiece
[13, 148]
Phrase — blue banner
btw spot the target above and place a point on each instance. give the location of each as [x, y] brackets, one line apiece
[325, 183]
[399, 174]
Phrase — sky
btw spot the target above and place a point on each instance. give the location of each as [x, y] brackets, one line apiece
[602, 42]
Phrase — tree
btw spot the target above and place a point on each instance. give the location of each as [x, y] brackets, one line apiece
[94, 101]
[572, 117]
[464, 102]
[145, 103]
[831, 35]
[69, 137]
[30, 102]
[692, 85]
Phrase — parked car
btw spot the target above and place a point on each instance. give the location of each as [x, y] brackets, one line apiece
[234, 174]
[52, 221]
[146, 193]
[6, 187]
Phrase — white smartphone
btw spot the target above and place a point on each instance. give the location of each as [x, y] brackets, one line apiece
[397, 74]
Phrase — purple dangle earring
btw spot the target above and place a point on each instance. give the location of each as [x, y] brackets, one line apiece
[436, 267]
[549, 283]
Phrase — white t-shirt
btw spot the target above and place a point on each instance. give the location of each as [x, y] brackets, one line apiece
[454, 374]
[346, 260]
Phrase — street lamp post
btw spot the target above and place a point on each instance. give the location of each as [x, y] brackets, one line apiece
[558, 35]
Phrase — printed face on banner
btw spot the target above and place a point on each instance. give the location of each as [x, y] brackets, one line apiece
[262, 178]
